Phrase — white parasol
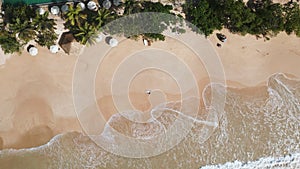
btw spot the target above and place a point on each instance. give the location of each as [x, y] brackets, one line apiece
[81, 5]
[54, 49]
[92, 6]
[54, 10]
[33, 51]
[99, 38]
[64, 8]
[41, 11]
[106, 4]
[113, 42]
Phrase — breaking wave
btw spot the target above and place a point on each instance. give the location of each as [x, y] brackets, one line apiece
[259, 123]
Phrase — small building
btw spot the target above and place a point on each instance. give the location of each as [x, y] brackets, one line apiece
[65, 41]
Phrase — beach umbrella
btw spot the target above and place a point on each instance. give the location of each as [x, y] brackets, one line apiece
[113, 42]
[81, 5]
[41, 11]
[117, 2]
[145, 42]
[64, 8]
[106, 4]
[33, 51]
[92, 5]
[54, 49]
[54, 10]
[99, 38]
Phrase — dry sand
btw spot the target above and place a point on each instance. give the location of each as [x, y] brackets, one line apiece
[36, 92]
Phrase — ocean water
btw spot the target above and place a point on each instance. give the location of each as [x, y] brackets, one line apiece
[259, 124]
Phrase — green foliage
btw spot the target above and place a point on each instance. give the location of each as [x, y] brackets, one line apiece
[85, 33]
[42, 22]
[27, 35]
[75, 16]
[203, 16]
[23, 24]
[72, 15]
[102, 17]
[23, 30]
[154, 26]
[148, 6]
[21, 12]
[260, 17]
[235, 15]
[269, 18]
[9, 43]
[45, 27]
[131, 7]
[84, 24]
[292, 17]
[46, 38]
[154, 36]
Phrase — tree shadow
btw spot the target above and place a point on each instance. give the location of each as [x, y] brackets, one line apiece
[29, 46]
[221, 37]
[107, 39]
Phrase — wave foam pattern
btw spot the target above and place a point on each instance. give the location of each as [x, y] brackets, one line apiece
[257, 122]
[287, 162]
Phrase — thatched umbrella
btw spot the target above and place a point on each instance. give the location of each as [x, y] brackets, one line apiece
[65, 41]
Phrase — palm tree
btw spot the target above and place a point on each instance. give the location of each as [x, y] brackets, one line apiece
[27, 35]
[74, 16]
[2, 26]
[9, 43]
[42, 22]
[103, 16]
[22, 30]
[22, 12]
[46, 38]
[85, 33]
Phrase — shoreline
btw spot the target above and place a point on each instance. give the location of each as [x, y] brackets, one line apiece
[48, 77]
[239, 89]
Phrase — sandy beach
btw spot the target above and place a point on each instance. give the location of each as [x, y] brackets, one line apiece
[36, 92]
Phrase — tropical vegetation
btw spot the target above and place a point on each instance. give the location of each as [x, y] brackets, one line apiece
[155, 26]
[21, 23]
[292, 18]
[84, 24]
[260, 17]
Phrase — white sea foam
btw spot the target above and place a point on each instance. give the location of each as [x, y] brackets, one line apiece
[261, 124]
[291, 161]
